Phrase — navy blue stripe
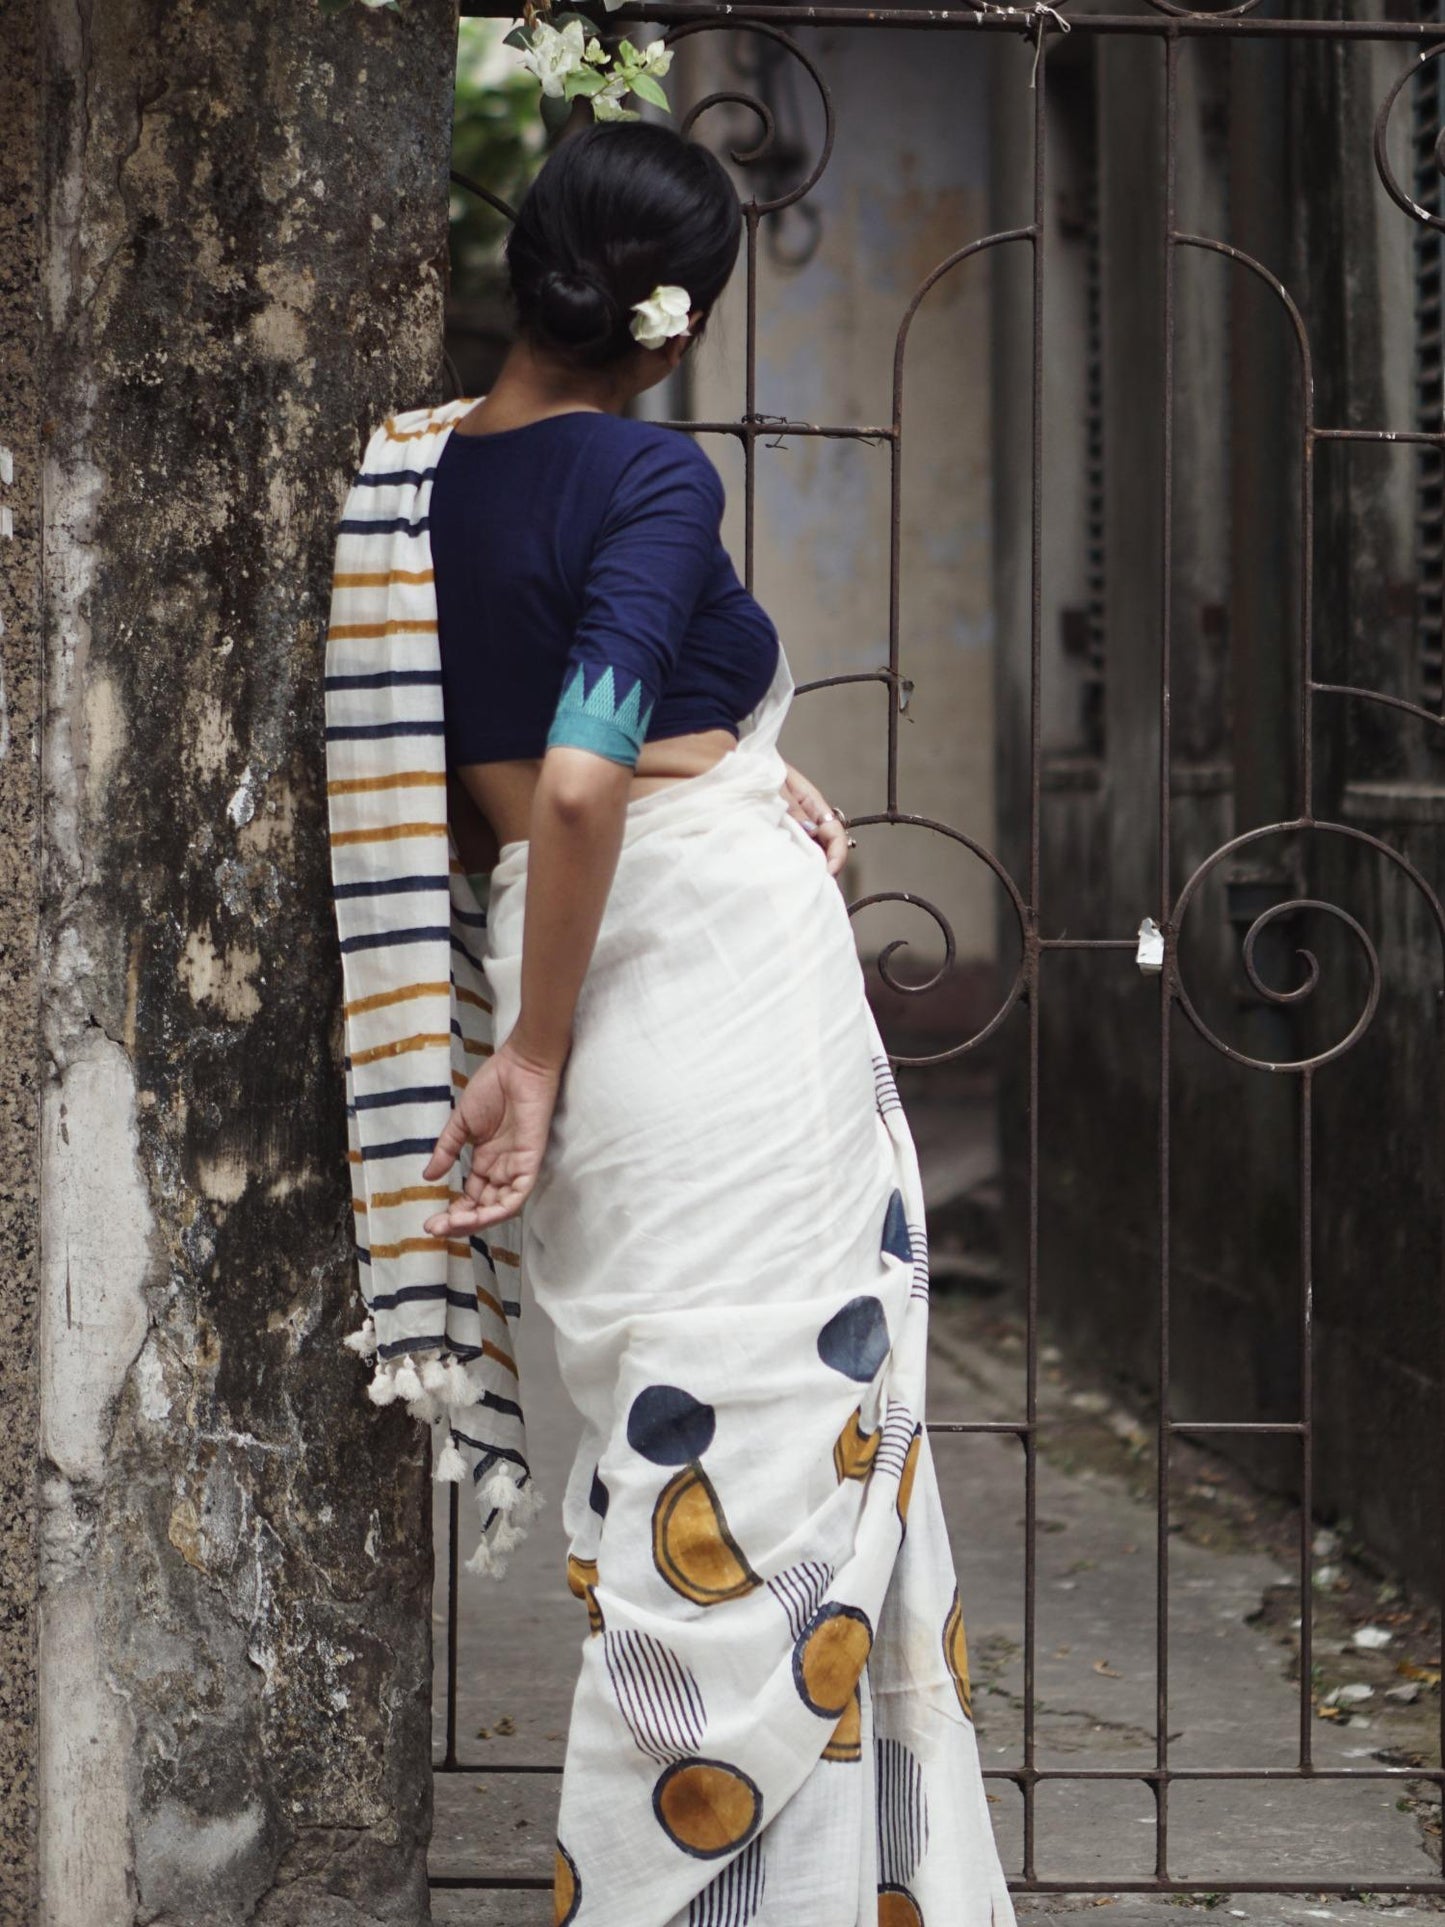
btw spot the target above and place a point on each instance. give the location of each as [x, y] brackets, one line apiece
[475, 962]
[390, 886]
[397, 525]
[368, 732]
[473, 919]
[383, 939]
[463, 1300]
[496, 1451]
[383, 679]
[365, 479]
[415, 1094]
[404, 1147]
[494, 1402]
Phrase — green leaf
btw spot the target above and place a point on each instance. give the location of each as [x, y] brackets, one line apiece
[518, 37]
[646, 88]
[583, 81]
[627, 52]
[556, 109]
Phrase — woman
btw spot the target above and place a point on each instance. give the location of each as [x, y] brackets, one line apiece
[689, 1105]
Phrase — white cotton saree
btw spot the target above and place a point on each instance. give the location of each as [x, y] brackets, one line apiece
[772, 1725]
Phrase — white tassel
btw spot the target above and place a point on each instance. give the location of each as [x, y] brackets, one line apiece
[458, 1385]
[382, 1389]
[451, 1466]
[428, 1408]
[408, 1385]
[499, 1491]
[434, 1375]
[363, 1340]
[485, 1562]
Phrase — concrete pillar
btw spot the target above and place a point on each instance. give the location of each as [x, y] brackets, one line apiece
[224, 265]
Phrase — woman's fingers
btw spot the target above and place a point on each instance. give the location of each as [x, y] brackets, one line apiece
[449, 1147]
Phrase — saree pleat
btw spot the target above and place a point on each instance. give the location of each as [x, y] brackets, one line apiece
[772, 1720]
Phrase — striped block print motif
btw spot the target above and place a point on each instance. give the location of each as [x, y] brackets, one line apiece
[733, 1899]
[656, 1694]
[416, 1011]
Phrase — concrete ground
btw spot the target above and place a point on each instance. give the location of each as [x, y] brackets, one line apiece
[1234, 1694]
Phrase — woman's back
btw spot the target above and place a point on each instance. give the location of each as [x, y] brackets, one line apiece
[584, 598]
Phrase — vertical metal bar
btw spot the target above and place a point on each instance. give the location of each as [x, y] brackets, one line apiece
[1036, 567]
[750, 394]
[1166, 1002]
[453, 1525]
[895, 569]
[1306, 1356]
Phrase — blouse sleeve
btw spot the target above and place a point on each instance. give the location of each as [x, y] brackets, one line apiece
[649, 564]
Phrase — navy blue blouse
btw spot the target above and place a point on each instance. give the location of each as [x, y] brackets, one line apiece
[584, 596]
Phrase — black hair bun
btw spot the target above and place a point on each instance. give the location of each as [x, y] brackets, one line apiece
[575, 308]
[618, 208]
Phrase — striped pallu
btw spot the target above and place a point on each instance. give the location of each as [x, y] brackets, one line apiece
[416, 1009]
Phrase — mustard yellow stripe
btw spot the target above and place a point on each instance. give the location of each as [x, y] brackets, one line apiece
[412, 1194]
[495, 1351]
[385, 833]
[353, 1157]
[378, 578]
[402, 779]
[451, 1246]
[465, 996]
[503, 1257]
[492, 1304]
[359, 1204]
[413, 434]
[474, 1048]
[393, 626]
[417, 1041]
[384, 997]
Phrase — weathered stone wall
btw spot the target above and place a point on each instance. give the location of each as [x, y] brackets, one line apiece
[245, 209]
[19, 901]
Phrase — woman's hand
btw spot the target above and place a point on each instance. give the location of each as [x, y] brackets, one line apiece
[827, 826]
[504, 1113]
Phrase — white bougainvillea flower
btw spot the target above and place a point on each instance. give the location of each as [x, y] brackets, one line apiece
[663, 314]
[656, 59]
[607, 102]
[554, 54]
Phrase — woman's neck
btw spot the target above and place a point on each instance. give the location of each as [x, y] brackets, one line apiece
[532, 385]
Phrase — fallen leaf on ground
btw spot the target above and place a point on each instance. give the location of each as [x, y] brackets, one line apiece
[1103, 1666]
[1409, 1670]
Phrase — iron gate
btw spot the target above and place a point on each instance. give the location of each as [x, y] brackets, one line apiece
[785, 183]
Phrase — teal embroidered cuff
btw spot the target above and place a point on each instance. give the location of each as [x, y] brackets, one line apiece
[594, 719]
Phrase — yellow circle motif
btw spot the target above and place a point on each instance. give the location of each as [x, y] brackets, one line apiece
[905, 1480]
[847, 1741]
[706, 1808]
[565, 1889]
[955, 1652]
[897, 1908]
[692, 1547]
[856, 1449]
[829, 1657]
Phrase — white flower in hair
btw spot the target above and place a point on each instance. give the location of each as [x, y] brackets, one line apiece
[663, 314]
[555, 53]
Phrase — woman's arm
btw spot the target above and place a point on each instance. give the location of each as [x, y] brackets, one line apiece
[505, 1112]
